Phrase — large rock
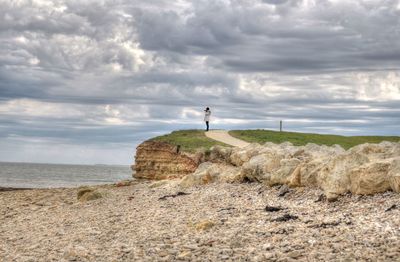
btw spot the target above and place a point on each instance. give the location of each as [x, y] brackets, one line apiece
[288, 164]
[286, 172]
[334, 177]
[364, 169]
[159, 160]
[260, 168]
[241, 155]
[212, 172]
[219, 154]
[394, 175]
[370, 178]
[309, 171]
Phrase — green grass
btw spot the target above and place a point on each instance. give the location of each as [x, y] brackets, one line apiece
[189, 140]
[299, 139]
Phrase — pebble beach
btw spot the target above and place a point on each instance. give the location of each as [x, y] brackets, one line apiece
[158, 221]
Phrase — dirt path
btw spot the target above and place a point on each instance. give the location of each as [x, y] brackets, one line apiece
[224, 137]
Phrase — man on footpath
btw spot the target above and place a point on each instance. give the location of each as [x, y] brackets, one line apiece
[207, 114]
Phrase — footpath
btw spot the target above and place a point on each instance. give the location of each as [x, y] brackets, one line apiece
[224, 137]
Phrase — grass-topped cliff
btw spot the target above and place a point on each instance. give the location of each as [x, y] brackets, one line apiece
[189, 140]
[299, 139]
[192, 140]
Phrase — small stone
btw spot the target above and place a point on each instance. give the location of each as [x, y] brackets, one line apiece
[123, 183]
[127, 250]
[158, 183]
[391, 208]
[294, 254]
[184, 255]
[273, 209]
[284, 218]
[163, 253]
[283, 190]
[320, 198]
[204, 225]
[332, 197]
[191, 247]
[267, 246]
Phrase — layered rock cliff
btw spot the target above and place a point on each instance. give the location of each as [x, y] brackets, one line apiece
[160, 160]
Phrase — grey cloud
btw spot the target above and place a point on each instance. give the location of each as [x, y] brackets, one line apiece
[28, 17]
[326, 36]
[275, 2]
[13, 85]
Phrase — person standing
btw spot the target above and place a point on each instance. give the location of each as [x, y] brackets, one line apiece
[207, 114]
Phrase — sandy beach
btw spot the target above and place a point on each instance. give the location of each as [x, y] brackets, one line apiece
[214, 222]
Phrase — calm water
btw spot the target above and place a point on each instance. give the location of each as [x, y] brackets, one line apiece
[54, 175]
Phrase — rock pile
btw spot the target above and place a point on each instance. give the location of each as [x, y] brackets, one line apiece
[364, 169]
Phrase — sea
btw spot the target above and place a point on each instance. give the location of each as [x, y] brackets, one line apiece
[32, 175]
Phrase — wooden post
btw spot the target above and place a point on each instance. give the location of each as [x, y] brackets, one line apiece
[280, 126]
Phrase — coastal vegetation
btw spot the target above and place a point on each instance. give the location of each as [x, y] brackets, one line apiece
[189, 140]
[299, 139]
[193, 140]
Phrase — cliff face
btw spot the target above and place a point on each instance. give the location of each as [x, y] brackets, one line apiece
[159, 160]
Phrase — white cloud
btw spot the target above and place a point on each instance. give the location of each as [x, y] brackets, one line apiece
[190, 113]
[380, 86]
[34, 108]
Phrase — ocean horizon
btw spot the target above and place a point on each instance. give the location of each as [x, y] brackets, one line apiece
[49, 175]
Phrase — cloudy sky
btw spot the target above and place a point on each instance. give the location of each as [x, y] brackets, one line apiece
[86, 81]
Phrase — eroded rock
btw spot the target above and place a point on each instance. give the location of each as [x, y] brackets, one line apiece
[364, 169]
[159, 160]
[212, 172]
[241, 155]
[394, 175]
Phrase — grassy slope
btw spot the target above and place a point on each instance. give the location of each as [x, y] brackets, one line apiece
[189, 140]
[262, 136]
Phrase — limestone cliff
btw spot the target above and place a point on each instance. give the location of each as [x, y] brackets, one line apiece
[160, 160]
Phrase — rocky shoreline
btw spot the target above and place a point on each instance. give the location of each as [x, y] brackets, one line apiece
[259, 203]
[161, 221]
[365, 169]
